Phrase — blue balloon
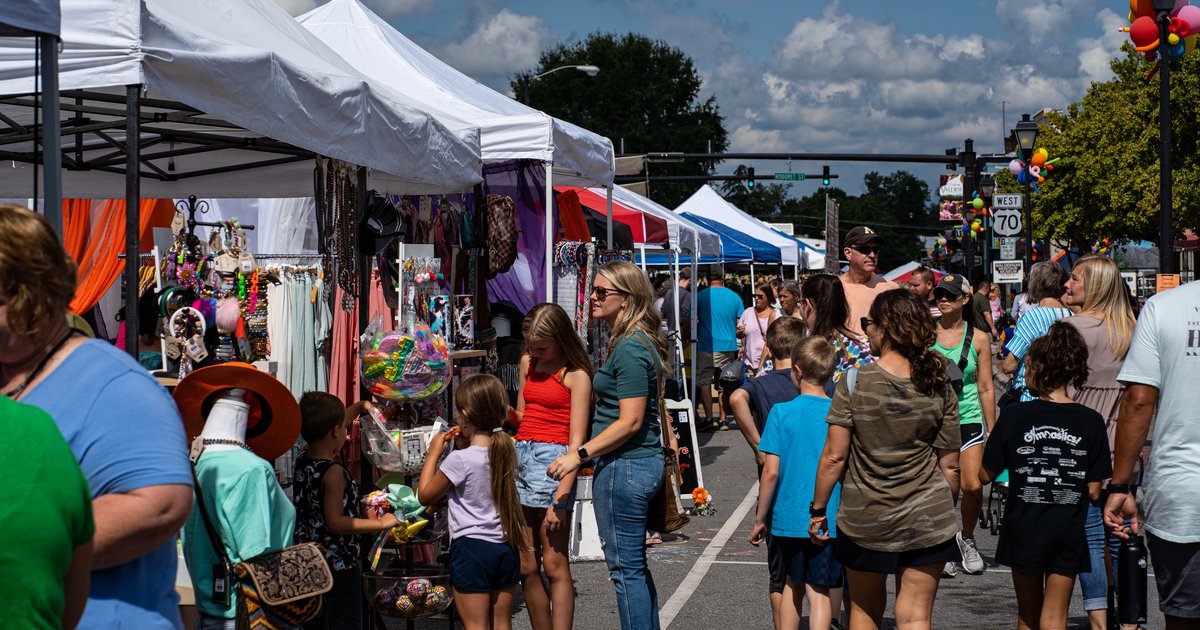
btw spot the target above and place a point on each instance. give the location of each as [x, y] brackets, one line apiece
[1177, 51]
[1023, 177]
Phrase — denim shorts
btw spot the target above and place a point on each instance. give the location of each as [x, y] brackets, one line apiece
[535, 488]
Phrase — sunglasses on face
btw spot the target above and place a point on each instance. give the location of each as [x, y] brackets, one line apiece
[942, 296]
[601, 293]
[866, 251]
[866, 321]
[759, 296]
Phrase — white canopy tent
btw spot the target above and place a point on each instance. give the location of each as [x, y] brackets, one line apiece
[709, 204]
[237, 100]
[510, 130]
[228, 98]
[685, 235]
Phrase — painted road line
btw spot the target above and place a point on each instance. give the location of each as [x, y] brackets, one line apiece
[709, 556]
[753, 562]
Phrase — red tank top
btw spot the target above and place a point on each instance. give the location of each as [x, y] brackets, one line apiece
[547, 408]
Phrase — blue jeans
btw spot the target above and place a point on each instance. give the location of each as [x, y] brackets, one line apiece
[1094, 584]
[621, 493]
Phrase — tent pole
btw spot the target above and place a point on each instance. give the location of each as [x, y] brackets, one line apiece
[609, 219]
[678, 354]
[692, 333]
[549, 210]
[133, 193]
[753, 284]
[51, 135]
[643, 248]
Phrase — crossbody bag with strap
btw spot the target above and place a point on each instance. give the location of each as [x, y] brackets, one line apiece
[276, 590]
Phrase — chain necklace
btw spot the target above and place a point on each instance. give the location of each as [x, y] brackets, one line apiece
[226, 442]
[15, 392]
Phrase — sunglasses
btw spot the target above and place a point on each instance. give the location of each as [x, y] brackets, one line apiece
[866, 321]
[866, 251]
[944, 296]
[601, 293]
[759, 296]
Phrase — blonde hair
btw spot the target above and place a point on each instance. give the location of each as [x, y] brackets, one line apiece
[639, 312]
[37, 277]
[483, 402]
[550, 322]
[1108, 298]
[816, 358]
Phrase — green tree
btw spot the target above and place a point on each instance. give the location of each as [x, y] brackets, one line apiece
[1106, 182]
[647, 97]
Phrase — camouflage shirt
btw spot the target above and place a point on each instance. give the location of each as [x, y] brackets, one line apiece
[894, 496]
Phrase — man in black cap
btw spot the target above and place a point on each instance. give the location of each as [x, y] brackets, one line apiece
[860, 282]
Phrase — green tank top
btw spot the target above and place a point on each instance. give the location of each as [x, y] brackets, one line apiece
[969, 409]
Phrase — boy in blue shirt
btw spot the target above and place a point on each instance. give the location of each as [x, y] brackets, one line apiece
[792, 443]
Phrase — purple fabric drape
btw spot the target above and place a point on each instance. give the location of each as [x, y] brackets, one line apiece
[525, 182]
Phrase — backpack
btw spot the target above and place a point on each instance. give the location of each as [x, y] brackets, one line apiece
[501, 234]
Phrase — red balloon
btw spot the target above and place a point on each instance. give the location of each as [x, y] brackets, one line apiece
[1144, 32]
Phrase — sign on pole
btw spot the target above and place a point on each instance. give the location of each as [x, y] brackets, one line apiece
[832, 248]
[1001, 200]
[1008, 271]
[1006, 221]
[789, 177]
[1008, 248]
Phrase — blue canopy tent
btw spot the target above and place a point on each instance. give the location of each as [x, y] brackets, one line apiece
[736, 246]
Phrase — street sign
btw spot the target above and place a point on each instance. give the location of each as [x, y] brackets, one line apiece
[1000, 200]
[1008, 248]
[1006, 221]
[789, 177]
[1008, 271]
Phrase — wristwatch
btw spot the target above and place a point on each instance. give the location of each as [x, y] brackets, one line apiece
[584, 458]
[1120, 488]
[816, 512]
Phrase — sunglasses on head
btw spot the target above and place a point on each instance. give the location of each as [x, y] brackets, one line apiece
[601, 293]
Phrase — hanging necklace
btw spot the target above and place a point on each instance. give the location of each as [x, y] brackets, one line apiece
[227, 442]
[15, 392]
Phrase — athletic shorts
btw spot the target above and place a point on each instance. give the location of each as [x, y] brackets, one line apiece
[479, 566]
[775, 564]
[859, 558]
[708, 366]
[1177, 574]
[810, 563]
[972, 435]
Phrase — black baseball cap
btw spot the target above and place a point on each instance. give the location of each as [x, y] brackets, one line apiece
[953, 284]
[861, 235]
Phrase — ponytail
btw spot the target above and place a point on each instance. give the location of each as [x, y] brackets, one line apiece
[502, 455]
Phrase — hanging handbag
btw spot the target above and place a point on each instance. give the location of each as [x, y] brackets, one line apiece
[501, 234]
[955, 371]
[275, 590]
[666, 514]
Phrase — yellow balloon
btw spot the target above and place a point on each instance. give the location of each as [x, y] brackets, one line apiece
[1172, 39]
[1039, 157]
[1131, 17]
[1189, 43]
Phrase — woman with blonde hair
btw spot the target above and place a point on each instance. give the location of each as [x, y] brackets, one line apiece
[1106, 322]
[625, 445]
[554, 404]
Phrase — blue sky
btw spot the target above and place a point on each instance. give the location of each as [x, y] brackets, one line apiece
[863, 76]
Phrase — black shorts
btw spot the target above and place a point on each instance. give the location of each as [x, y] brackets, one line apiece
[810, 563]
[972, 435]
[479, 566]
[859, 558]
[1177, 574]
[775, 565]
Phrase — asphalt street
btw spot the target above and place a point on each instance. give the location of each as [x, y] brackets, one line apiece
[708, 577]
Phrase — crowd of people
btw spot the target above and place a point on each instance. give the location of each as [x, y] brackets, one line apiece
[871, 409]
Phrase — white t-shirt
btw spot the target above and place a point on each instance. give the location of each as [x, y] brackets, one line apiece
[1165, 353]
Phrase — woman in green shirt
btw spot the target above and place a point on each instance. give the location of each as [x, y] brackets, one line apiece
[626, 436]
[970, 348]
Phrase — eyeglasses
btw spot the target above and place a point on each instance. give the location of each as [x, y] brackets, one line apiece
[866, 321]
[944, 296]
[759, 296]
[866, 251]
[601, 293]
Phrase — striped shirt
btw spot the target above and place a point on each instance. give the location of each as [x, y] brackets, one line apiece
[1033, 324]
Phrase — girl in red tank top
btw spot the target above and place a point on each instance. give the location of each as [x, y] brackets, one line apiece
[554, 407]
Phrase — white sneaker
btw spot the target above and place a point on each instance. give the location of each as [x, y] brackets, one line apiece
[972, 562]
[949, 571]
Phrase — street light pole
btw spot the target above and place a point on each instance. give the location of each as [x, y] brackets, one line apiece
[1166, 235]
[589, 70]
[1026, 133]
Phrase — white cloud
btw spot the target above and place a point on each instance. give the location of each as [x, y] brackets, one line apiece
[746, 138]
[506, 43]
[1096, 54]
[391, 9]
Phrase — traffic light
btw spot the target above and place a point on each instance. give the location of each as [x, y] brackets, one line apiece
[825, 175]
[750, 177]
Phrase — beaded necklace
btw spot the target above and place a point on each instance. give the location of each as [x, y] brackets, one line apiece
[227, 442]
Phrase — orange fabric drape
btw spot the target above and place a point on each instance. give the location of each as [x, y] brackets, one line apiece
[75, 225]
[99, 265]
[570, 212]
